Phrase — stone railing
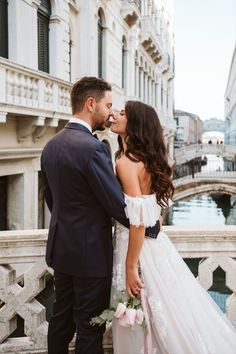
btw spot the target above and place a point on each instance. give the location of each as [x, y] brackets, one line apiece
[24, 276]
[31, 92]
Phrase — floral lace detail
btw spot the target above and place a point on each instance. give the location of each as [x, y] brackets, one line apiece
[117, 278]
[158, 317]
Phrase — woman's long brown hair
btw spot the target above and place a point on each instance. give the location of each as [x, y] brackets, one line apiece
[145, 142]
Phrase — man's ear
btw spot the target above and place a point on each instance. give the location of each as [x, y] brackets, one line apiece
[90, 103]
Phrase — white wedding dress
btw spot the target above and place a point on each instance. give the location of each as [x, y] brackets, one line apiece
[183, 317]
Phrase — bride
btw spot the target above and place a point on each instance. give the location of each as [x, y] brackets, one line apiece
[183, 319]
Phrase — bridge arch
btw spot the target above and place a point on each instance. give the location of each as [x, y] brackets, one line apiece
[200, 187]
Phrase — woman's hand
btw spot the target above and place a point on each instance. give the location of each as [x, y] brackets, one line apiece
[133, 281]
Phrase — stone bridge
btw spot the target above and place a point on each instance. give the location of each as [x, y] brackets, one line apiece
[190, 152]
[205, 182]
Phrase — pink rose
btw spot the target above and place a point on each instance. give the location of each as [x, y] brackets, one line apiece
[131, 315]
[128, 318]
[121, 308]
[139, 316]
[123, 320]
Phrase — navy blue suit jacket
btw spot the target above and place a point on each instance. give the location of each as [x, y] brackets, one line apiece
[82, 194]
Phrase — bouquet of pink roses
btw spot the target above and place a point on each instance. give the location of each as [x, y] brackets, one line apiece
[126, 310]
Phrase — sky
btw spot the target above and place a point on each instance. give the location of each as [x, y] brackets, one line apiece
[205, 36]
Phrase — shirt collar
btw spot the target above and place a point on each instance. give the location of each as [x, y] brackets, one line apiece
[82, 122]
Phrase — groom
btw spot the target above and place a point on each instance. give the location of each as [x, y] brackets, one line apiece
[82, 194]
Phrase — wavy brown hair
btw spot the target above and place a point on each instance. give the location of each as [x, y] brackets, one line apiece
[145, 142]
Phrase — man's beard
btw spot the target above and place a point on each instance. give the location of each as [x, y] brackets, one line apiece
[99, 126]
[103, 126]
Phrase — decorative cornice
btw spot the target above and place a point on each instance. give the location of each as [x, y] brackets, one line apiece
[20, 153]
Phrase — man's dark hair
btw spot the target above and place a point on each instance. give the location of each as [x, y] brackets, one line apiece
[87, 87]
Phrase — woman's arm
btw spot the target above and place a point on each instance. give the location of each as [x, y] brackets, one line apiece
[128, 173]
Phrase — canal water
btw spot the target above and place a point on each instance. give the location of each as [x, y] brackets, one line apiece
[206, 210]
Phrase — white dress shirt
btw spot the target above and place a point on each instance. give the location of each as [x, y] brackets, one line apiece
[82, 122]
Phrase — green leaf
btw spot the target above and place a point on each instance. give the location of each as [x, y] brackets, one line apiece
[144, 326]
[118, 296]
[125, 297]
[110, 316]
[136, 302]
[97, 321]
[104, 314]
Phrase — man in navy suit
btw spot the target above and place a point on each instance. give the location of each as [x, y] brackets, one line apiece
[82, 194]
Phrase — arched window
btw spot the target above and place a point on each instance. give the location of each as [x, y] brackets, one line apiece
[3, 29]
[124, 63]
[44, 13]
[100, 43]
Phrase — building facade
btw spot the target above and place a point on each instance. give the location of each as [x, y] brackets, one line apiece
[189, 128]
[230, 111]
[45, 46]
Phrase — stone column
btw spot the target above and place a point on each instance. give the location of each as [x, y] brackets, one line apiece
[88, 54]
[22, 32]
[142, 85]
[131, 67]
[15, 202]
[56, 49]
[136, 80]
[146, 88]
[30, 200]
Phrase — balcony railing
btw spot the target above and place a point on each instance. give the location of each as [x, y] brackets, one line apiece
[26, 281]
[31, 92]
[135, 2]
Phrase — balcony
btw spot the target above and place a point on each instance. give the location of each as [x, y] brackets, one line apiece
[26, 290]
[41, 97]
[130, 11]
[150, 39]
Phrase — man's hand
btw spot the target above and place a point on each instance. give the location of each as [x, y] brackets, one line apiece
[133, 281]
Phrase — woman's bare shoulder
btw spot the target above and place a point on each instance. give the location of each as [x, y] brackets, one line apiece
[125, 163]
[128, 173]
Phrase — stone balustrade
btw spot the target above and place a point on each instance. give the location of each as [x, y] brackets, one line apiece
[31, 92]
[137, 3]
[24, 275]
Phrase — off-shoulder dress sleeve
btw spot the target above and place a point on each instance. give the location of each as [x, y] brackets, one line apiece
[142, 210]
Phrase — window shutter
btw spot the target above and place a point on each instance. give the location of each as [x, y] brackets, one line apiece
[44, 13]
[4, 28]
